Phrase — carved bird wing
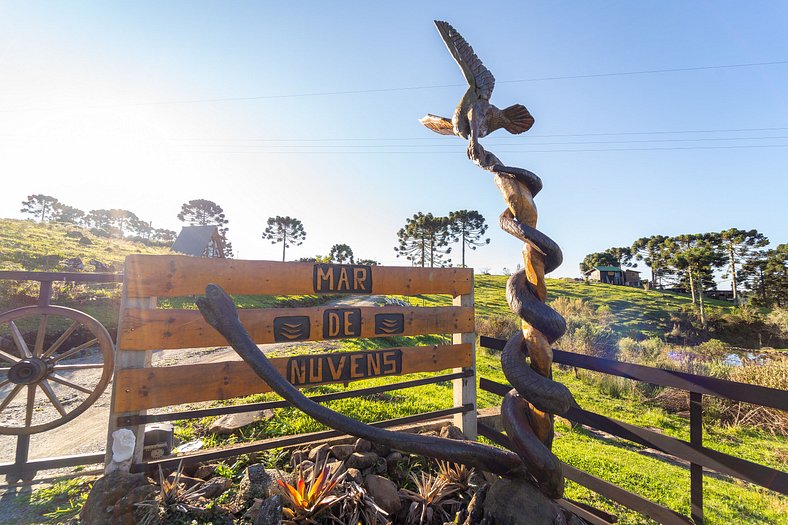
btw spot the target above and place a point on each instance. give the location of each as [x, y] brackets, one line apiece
[478, 77]
[438, 124]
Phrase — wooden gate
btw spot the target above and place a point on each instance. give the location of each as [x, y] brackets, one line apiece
[144, 328]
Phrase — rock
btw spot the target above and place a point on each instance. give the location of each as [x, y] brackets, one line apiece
[215, 487]
[517, 502]
[335, 467]
[261, 483]
[85, 241]
[270, 512]
[74, 234]
[380, 466]
[102, 267]
[341, 452]
[298, 456]
[354, 474]
[362, 445]
[476, 507]
[205, 471]
[384, 492]
[361, 460]
[99, 509]
[229, 423]
[394, 457]
[431, 433]
[74, 263]
[126, 506]
[318, 453]
[451, 432]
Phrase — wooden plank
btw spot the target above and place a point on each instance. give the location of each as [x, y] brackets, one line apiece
[181, 275]
[170, 329]
[464, 388]
[141, 389]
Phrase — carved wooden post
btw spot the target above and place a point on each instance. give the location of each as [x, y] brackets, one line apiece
[465, 387]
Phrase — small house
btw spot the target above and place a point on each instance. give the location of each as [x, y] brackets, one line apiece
[613, 275]
[200, 241]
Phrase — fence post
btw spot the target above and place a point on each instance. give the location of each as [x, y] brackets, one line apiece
[465, 387]
[696, 471]
[124, 360]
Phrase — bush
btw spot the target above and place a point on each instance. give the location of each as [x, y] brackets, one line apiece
[500, 326]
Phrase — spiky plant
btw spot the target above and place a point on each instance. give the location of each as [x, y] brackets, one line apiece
[173, 498]
[311, 494]
[357, 507]
[456, 474]
[431, 502]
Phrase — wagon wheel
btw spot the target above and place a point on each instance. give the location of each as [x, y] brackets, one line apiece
[46, 382]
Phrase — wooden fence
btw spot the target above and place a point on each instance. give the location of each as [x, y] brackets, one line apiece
[144, 328]
[693, 451]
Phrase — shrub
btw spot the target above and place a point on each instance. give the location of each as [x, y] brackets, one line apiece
[501, 326]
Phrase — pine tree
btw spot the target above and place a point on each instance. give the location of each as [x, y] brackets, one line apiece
[652, 251]
[737, 245]
[424, 240]
[341, 253]
[467, 227]
[67, 214]
[39, 205]
[287, 230]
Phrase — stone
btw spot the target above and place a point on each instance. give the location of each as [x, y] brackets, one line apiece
[380, 466]
[205, 472]
[361, 460]
[74, 263]
[362, 445]
[336, 467]
[102, 267]
[215, 487]
[99, 508]
[85, 241]
[430, 433]
[126, 506]
[298, 456]
[318, 453]
[394, 457]
[354, 474]
[384, 492]
[270, 512]
[341, 452]
[452, 432]
[74, 234]
[518, 502]
[259, 482]
[305, 466]
[229, 423]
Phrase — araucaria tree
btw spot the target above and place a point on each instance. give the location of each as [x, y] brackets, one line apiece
[202, 212]
[424, 240]
[287, 230]
[737, 246]
[39, 205]
[696, 256]
[653, 252]
[468, 228]
[341, 253]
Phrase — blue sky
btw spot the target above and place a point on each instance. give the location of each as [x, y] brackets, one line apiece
[124, 105]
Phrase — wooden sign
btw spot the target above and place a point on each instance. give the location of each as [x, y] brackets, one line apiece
[305, 370]
[337, 278]
[181, 275]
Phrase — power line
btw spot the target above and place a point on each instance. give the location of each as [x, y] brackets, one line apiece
[407, 88]
[301, 152]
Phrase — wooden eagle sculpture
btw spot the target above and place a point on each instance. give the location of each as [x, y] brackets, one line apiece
[475, 117]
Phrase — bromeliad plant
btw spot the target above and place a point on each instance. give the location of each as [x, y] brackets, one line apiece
[431, 502]
[311, 494]
[357, 507]
[456, 474]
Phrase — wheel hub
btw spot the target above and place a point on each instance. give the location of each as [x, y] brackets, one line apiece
[28, 371]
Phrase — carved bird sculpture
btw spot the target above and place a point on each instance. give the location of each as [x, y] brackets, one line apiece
[475, 117]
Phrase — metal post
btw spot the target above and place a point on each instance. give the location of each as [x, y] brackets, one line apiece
[696, 471]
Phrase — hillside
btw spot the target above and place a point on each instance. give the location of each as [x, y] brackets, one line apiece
[27, 245]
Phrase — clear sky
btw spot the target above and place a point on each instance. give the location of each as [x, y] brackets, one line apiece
[145, 105]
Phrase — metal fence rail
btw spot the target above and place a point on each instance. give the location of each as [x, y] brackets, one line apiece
[693, 451]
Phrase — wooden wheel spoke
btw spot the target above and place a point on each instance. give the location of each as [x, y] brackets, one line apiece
[8, 357]
[50, 393]
[10, 397]
[19, 341]
[75, 350]
[31, 401]
[65, 382]
[62, 339]
[41, 335]
[5, 383]
[63, 368]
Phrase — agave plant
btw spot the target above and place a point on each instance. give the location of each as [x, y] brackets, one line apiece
[172, 498]
[431, 502]
[311, 494]
[358, 507]
[456, 474]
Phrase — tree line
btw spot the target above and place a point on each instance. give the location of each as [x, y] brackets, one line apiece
[689, 261]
